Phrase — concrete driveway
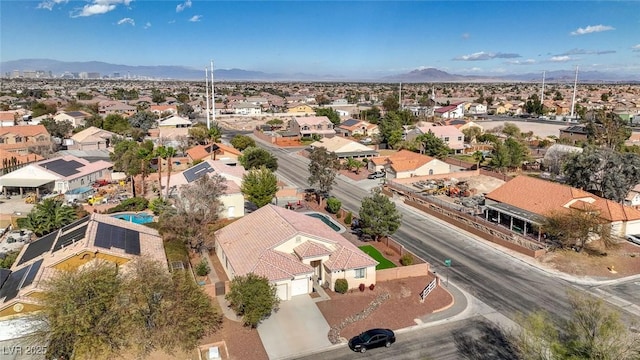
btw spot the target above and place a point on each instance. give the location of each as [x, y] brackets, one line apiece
[298, 328]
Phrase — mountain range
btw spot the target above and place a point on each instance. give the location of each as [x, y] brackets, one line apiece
[57, 68]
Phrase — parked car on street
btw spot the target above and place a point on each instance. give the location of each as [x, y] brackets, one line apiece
[634, 239]
[372, 338]
[376, 175]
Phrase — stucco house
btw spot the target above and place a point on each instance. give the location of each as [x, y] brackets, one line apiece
[214, 151]
[76, 118]
[94, 238]
[91, 138]
[521, 203]
[449, 134]
[21, 138]
[232, 200]
[345, 148]
[175, 121]
[300, 109]
[405, 164]
[307, 126]
[292, 250]
[57, 175]
[353, 127]
[164, 109]
[574, 133]
[246, 108]
[453, 111]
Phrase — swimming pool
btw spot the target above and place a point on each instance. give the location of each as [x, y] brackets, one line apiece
[139, 218]
[327, 220]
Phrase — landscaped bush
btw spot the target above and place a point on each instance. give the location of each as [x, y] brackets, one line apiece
[132, 204]
[406, 260]
[361, 287]
[341, 286]
[348, 218]
[202, 268]
[158, 205]
[372, 286]
[333, 205]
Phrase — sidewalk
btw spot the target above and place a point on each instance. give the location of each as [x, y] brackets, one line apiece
[213, 276]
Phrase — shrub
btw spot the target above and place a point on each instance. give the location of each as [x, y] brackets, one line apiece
[202, 268]
[361, 287]
[372, 286]
[406, 260]
[132, 204]
[338, 215]
[333, 205]
[341, 286]
[348, 218]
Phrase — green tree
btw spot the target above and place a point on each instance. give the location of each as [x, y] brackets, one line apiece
[333, 205]
[478, 156]
[391, 129]
[371, 115]
[117, 124]
[199, 134]
[511, 130]
[391, 103]
[379, 216]
[60, 129]
[49, 215]
[197, 207]
[323, 167]
[253, 298]
[571, 229]
[607, 130]
[352, 163]
[275, 123]
[165, 153]
[533, 105]
[157, 96]
[433, 146]
[215, 133]
[260, 185]
[500, 158]
[332, 114]
[242, 142]
[471, 134]
[517, 152]
[255, 157]
[9, 259]
[594, 331]
[143, 120]
[94, 312]
[39, 109]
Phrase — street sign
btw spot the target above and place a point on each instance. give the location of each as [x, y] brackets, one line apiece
[447, 262]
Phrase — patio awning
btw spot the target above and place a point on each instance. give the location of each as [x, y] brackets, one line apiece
[25, 183]
[516, 212]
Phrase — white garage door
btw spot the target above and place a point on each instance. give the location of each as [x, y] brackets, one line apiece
[299, 287]
[282, 291]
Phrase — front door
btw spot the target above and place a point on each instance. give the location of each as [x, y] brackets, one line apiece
[317, 271]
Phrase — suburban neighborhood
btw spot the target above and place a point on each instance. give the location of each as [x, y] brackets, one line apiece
[288, 220]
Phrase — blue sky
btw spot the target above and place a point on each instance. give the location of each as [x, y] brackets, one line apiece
[353, 38]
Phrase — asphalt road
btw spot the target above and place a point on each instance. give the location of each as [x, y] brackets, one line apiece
[473, 338]
[506, 284]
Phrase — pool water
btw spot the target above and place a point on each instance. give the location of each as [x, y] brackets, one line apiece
[325, 219]
[141, 218]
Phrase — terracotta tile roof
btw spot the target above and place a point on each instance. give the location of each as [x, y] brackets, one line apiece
[311, 249]
[249, 243]
[202, 151]
[405, 160]
[24, 130]
[542, 197]
[276, 265]
[22, 159]
[312, 120]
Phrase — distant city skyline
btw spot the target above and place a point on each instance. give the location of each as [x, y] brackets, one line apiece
[354, 39]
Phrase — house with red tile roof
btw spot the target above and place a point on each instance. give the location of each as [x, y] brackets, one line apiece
[521, 203]
[405, 164]
[215, 151]
[10, 161]
[164, 109]
[292, 250]
[20, 138]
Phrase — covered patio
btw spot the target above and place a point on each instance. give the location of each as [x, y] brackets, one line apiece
[22, 186]
[515, 219]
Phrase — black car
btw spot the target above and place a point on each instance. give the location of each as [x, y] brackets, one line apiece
[372, 339]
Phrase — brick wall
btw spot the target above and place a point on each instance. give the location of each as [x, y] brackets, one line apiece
[496, 175]
[402, 272]
[280, 141]
[458, 175]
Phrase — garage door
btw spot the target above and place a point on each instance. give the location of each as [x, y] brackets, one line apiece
[299, 287]
[282, 291]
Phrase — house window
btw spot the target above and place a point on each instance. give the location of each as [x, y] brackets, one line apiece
[459, 138]
[18, 139]
[446, 139]
[360, 273]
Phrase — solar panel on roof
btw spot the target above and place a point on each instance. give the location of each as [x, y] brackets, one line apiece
[196, 172]
[63, 167]
[70, 237]
[38, 247]
[11, 287]
[75, 223]
[108, 236]
[31, 275]
[350, 122]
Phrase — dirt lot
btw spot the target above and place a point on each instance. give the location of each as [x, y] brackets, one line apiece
[539, 129]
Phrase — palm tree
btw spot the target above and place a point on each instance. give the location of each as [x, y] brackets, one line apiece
[215, 133]
[478, 156]
[160, 153]
[144, 154]
[169, 152]
[49, 215]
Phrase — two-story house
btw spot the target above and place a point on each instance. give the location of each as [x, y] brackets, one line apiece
[91, 138]
[353, 127]
[21, 138]
[307, 126]
[246, 108]
[76, 118]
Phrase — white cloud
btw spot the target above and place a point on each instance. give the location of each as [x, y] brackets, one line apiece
[98, 7]
[636, 47]
[592, 29]
[129, 21]
[466, 36]
[185, 5]
[147, 25]
[560, 58]
[521, 62]
[196, 18]
[171, 22]
[479, 56]
[49, 4]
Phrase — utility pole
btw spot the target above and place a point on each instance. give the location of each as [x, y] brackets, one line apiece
[213, 95]
[573, 99]
[206, 87]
